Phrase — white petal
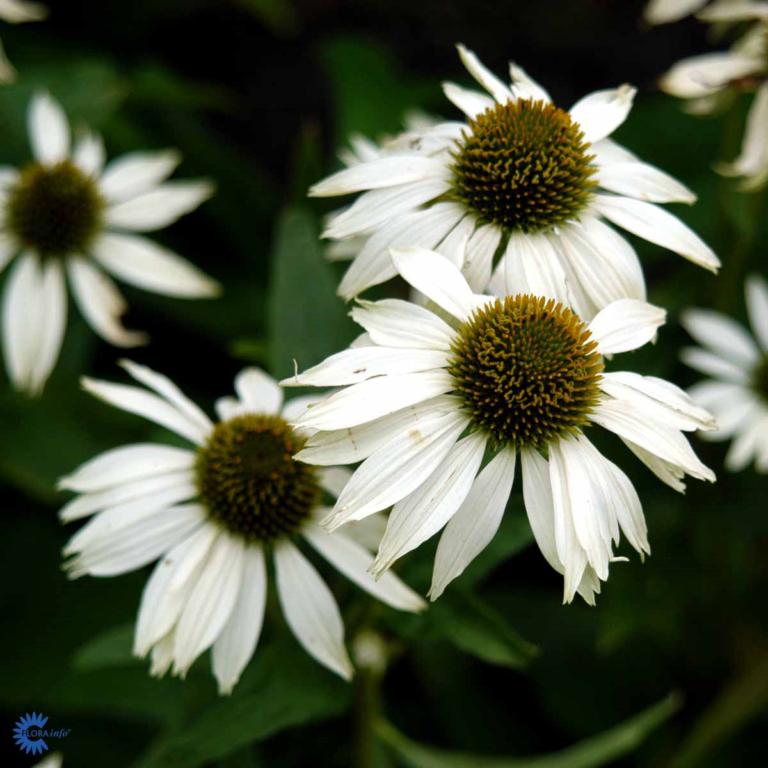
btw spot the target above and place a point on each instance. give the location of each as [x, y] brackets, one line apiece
[664, 11]
[235, 645]
[53, 301]
[397, 468]
[355, 365]
[731, 404]
[746, 444]
[437, 279]
[644, 182]
[147, 405]
[670, 474]
[475, 523]
[354, 561]
[127, 463]
[333, 479]
[101, 303]
[657, 226]
[398, 323]
[349, 446]
[295, 408]
[368, 400]
[136, 173]
[625, 325]
[484, 76]
[421, 514]
[531, 265]
[714, 365]
[159, 207]
[310, 610]
[89, 153]
[753, 158]
[666, 443]
[374, 208]
[524, 86]
[478, 260]
[258, 391]
[48, 130]
[757, 307]
[733, 11]
[373, 264]
[147, 265]
[721, 335]
[18, 11]
[375, 174]
[600, 113]
[706, 74]
[166, 591]
[470, 102]
[210, 602]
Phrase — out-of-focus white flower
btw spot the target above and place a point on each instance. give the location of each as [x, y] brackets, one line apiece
[737, 393]
[210, 517]
[16, 12]
[67, 216]
[52, 761]
[724, 11]
[516, 196]
[439, 404]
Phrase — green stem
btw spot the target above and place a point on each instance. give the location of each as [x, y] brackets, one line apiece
[367, 692]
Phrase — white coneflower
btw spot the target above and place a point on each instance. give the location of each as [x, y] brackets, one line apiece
[737, 394]
[211, 516]
[16, 12]
[438, 406]
[67, 216]
[708, 80]
[523, 185]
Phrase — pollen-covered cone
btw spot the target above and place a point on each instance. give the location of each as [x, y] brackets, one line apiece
[439, 406]
[737, 364]
[211, 515]
[517, 196]
[66, 217]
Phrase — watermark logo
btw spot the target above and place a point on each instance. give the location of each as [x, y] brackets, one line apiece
[30, 733]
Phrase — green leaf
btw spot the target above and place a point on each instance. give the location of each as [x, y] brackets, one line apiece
[307, 321]
[109, 649]
[284, 688]
[599, 750]
[477, 629]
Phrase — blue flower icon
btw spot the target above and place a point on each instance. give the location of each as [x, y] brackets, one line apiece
[25, 736]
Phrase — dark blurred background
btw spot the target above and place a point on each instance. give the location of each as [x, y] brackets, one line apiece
[259, 95]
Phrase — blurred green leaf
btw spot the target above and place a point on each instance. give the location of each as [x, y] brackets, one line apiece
[591, 753]
[478, 629]
[109, 649]
[307, 321]
[285, 688]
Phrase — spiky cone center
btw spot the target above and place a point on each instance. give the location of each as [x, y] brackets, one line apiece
[527, 370]
[249, 482]
[54, 209]
[524, 166]
[760, 379]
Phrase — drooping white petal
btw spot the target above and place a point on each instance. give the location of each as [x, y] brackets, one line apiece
[349, 446]
[625, 325]
[670, 474]
[89, 154]
[484, 76]
[53, 301]
[731, 404]
[714, 365]
[48, 130]
[657, 226]
[397, 468]
[354, 561]
[753, 158]
[666, 443]
[236, 644]
[166, 591]
[382, 172]
[355, 365]
[721, 335]
[438, 279]
[421, 514]
[704, 75]
[127, 463]
[373, 264]
[159, 207]
[147, 405]
[101, 303]
[475, 523]
[532, 265]
[210, 602]
[600, 113]
[757, 308]
[368, 400]
[746, 446]
[311, 610]
[398, 323]
[136, 173]
[470, 102]
[478, 260]
[140, 262]
[664, 11]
